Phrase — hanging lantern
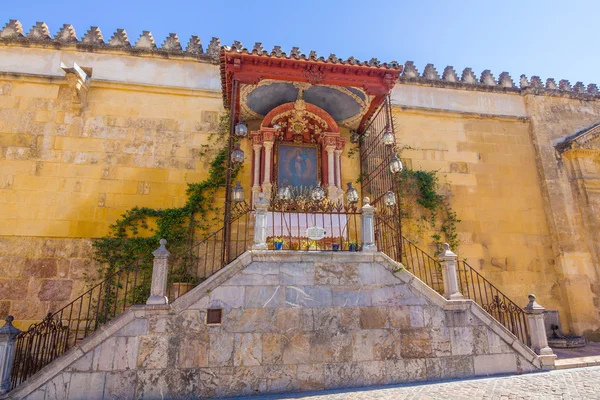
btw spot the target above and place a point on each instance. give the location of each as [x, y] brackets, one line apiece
[388, 138]
[237, 156]
[351, 194]
[237, 193]
[284, 193]
[389, 198]
[396, 164]
[354, 137]
[277, 126]
[241, 130]
[317, 192]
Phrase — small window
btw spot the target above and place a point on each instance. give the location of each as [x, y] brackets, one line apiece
[213, 316]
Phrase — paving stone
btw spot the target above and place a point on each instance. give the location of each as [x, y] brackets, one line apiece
[581, 383]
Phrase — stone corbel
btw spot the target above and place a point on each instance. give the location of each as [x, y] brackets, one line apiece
[79, 83]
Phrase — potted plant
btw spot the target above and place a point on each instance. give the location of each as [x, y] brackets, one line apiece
[352, 245]
[335, 246]
[278, 243]
[312, 245]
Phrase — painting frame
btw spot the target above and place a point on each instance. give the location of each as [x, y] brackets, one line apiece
[282, 149]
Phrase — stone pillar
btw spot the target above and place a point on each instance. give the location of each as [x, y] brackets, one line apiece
[8, 334]
[260, 223]
[267, 177]
[256, 185]
[332, 192]
[368, 227]
[338, 169]
[537, 333]
[160, 270]
[448, 260]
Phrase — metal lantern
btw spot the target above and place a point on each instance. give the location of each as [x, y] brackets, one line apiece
[241, 130]
[237, 193]
[284, 193]
[317, 192]
[396, 164]
[388, 138]
[237, 156]
[351, 194]
[389, 198]
[354, 137]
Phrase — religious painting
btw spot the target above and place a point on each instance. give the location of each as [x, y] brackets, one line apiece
[298, 165]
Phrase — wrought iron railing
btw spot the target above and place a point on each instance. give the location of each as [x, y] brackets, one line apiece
[475, 287]
[44, 342]
[335, 226]
[471, 284]
[209, 255]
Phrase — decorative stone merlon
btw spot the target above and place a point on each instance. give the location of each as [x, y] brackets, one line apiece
[120, 39]
[551, 84]
[504, 80]
[146, 41]
[39, 32]
[160, 270]
[449, 74]
[579, 87]
[468, 76]
[13, 29]
[78, 83]
[8, 334]
[430, 73]
[66, 34]
[487, 78]
[537, 332]
[194, 46]
[260, 223]
[523, 82]
[93, 37]
[214, 47]
[368, 226]
[564, 84]
[410, 71]
[448, 260]
[536, 82]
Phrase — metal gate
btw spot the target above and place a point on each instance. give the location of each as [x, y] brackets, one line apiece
[377, 179]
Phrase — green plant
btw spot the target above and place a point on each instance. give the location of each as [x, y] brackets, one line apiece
[137, 233]
[278, 240]
[425, 207]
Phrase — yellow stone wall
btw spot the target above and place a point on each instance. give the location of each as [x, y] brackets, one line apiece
[487, 164]
[66, 176]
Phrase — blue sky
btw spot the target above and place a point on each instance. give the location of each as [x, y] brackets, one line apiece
[548, 38]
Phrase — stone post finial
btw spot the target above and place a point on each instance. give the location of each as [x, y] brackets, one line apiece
[160, 270]
[537, 332]
[368, 226]
[260, 223]
[8, 335]
[448, 260]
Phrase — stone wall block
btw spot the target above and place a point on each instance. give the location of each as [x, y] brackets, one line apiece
[120, 385]
[193, 351]
[308, 296]
[265, 297]
[256, 274]
[462, 340]
[296, 348]
[336, 274]
[297, 274]
[336, 319]
[328, 346]
[247, 349]
[343, 375]
[416, 343]
[84, 385]
[457, 367]
[104, 355]
[296, 319]
[272, 348]
[441, 344]
[221, 350]
[58, 387]
[126, 351]
[343, 297]
[251, 320]
[84, 364]
[311, 376]
[152, 352]
[373, 317]
[494, 364]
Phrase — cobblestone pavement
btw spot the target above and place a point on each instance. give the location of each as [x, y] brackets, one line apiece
[581, 383]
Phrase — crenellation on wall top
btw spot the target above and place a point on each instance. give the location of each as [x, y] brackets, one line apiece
[40, 35]
[486, 82]
[93, 38]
